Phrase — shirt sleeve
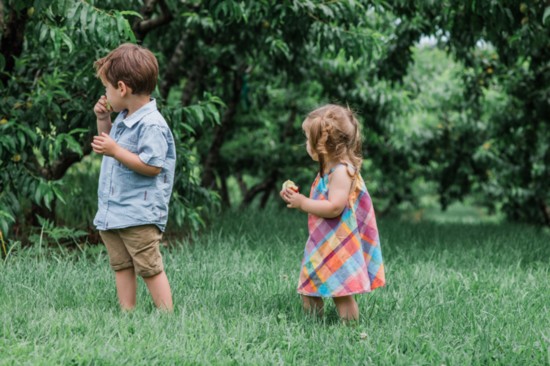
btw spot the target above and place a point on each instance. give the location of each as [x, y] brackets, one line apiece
[152, 146]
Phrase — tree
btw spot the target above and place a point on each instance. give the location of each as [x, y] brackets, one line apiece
[503, 153]
[48, 89]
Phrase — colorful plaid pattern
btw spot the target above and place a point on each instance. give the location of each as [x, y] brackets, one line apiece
[342, 255]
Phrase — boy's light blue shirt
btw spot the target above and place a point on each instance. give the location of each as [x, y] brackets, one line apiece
[127, 198]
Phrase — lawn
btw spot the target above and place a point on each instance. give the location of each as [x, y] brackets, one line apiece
[456, 294]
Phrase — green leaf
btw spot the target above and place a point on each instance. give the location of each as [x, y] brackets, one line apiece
[71, 15]
[131, 12]
[129, 32]
[83, 18]
[78, 130]
[327, 11]
[7, 216]
[48, 197]
[38, 194]
[120, 26]
[91, 26]
[73, 145]
[546, 15]
[188, 128]
[43, 33]
[58, 194]
[213, 112]
[197, 113]
[68, 42]
[21, 137]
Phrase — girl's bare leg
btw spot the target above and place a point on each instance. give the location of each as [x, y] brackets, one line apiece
[126, 287]
[347, 308]
[313, 305]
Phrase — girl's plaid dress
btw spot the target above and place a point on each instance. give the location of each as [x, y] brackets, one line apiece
[342, 255]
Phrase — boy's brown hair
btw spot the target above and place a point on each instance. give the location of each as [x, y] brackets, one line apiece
[136, 66]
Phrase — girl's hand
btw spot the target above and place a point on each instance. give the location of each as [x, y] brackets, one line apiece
[293, 199]
[105, 145]
[282, 194]
[102, 110]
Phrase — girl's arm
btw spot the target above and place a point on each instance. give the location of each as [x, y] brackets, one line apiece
[105, 145]
[340, 185]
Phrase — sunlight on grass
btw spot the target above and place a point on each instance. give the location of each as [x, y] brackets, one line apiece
[457, 294]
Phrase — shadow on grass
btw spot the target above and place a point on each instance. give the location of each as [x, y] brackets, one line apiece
[458, 244]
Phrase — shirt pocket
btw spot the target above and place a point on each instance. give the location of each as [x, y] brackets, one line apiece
[132, 147]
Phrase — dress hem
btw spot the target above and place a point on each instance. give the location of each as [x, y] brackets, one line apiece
[350, 294]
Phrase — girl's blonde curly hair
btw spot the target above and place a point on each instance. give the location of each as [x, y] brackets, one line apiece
[334, 135]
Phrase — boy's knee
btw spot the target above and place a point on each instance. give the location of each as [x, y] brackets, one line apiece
[150, 273]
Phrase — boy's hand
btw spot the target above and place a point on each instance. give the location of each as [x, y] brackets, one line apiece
[292, 198]
[105, 145]
[102, 109]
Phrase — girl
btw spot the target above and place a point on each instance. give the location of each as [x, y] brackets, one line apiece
[342, 255]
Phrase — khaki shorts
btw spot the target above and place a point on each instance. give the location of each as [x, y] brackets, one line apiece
[134, 247]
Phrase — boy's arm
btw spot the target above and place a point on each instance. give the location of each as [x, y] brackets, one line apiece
[340, 185]
[104, 126]
[132, 161]
[105, 145]
[103, 115]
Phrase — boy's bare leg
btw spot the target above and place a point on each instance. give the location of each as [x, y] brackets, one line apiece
[160, 291]
[313, 305]
[347, 308]
[126, 287]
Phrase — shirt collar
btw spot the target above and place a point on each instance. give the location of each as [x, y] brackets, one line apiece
[140, 113]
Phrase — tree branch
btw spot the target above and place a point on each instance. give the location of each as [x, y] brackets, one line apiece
[148, 23]
[266, 186]
[59, 167]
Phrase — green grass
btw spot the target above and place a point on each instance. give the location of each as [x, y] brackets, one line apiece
[457, 294]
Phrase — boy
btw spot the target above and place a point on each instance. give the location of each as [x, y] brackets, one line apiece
[137, 173]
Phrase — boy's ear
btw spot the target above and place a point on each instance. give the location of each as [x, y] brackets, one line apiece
[123, 88]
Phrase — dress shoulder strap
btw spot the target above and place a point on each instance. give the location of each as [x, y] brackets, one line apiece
[334, 168]
[350, 169]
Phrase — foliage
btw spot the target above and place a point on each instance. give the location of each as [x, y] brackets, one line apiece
[238, 77]
[50, 233]
[47, 123]
[46, 98]
[502, 148]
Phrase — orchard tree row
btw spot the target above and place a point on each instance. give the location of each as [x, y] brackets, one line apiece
[238, 77]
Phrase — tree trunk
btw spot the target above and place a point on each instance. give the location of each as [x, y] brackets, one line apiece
[173, 69]
[545, 212]
[269, 184]
[11, 45]
[213, 157]
[193, 81]
[224, 192]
